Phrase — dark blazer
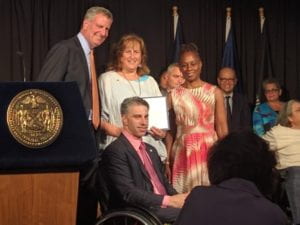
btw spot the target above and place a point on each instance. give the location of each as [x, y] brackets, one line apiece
[66, 62]
[232, 202]
[127, 178]
[241, 115]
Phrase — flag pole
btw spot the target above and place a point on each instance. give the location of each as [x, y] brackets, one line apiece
[261, 14]
[228, 22]
[262, 18]
[175, 20]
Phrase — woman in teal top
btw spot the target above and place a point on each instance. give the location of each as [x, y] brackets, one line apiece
[265, 114]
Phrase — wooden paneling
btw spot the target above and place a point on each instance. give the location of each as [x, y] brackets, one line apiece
[38, 199]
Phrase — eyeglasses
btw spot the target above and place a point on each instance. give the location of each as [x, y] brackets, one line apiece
[271, 91]
[227, 79]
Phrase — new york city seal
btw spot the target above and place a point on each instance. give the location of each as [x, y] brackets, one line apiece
[34, 118]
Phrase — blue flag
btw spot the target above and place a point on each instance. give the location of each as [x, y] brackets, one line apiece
[177, 35]
[264, 67]
[228, 54]
[178, 40]
[230, 59]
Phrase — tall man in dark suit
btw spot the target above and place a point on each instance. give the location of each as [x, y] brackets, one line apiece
[69, 60]
[238, 110]
[73, 60]
[134, 172]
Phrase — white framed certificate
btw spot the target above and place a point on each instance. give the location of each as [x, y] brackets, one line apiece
[158, 112]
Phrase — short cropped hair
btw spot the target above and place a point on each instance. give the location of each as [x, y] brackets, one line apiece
[243, 155]
[271, 81]
[189, 47]
[130, 102]
[227, 68]
[171, 66]
[118, 49]
[285, 112]
[95, 10]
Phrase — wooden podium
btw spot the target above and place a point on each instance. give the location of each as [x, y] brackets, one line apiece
[40, 186]
[38, 198]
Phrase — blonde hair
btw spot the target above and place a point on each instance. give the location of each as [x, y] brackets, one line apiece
[118, 49]
[285, 113]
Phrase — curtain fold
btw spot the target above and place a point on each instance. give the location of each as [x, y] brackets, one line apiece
[31, 27]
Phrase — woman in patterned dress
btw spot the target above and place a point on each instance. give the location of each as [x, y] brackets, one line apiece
[200, 120]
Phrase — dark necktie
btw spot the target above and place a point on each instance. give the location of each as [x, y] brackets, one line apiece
[229, 115]
[95, 93]
[151, 171]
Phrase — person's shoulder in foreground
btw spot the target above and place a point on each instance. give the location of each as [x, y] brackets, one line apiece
[241, 171]
[233, 202]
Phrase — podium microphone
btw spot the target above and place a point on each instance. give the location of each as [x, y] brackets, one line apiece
[21, 54]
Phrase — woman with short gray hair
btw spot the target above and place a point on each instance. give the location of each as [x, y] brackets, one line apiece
[284, 139]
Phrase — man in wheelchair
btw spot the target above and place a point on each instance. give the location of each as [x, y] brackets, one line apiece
[133, 171]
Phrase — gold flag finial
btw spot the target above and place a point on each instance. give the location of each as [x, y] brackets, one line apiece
[175, 9]
[261, 12]
[228, 11]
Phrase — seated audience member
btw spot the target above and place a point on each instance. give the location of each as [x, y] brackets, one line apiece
[133, 169]
[284, 139]
[241, 171]
[237, 106]
[265, 115]
[170, 79]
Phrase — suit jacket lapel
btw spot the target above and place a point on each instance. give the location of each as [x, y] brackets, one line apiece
[154, 161]
[133, 152]
[235, 106]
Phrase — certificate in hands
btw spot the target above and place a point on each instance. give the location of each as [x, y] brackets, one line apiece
[158, 112]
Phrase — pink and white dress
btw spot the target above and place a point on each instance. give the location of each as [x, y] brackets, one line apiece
[195, 120]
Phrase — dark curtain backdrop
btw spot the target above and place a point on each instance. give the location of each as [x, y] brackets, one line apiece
[31, 27]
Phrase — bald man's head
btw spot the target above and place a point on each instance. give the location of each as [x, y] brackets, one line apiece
[227, 80]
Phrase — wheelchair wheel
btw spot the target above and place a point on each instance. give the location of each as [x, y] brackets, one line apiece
[127, 217]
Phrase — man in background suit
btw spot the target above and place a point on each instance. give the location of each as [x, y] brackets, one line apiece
[239, 115]
[134, 172]
[69, 60]
[170, 79]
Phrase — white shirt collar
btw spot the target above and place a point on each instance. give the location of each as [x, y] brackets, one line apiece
[84, 44]
[231, 94]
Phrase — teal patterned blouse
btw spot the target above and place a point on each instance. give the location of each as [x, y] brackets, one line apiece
[264, 118]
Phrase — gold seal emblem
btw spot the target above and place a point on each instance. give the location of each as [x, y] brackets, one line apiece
[34, 118]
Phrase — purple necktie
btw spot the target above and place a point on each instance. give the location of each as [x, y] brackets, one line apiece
[157, 185]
